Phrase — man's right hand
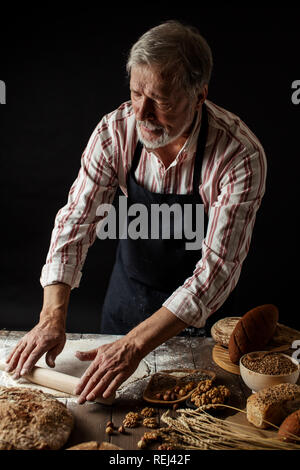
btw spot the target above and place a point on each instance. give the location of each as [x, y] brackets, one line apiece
[48, 336]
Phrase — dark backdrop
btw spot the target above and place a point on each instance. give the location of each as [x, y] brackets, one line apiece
[65, 69]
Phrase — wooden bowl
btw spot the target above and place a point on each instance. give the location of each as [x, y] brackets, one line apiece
[165, 380]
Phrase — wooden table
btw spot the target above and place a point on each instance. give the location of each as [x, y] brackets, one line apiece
[178, 352]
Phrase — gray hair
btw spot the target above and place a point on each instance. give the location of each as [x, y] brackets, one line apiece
[182, 55]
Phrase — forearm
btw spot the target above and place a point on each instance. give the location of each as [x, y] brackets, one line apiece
[48, 335]
[55, 304]
[155, 330]
[113, 363]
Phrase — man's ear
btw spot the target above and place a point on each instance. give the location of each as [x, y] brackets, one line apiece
[202, 96]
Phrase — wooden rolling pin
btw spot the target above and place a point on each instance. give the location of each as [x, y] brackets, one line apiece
[57, 381]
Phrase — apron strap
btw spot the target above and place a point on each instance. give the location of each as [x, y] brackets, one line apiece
[201, 143]
[136, 157]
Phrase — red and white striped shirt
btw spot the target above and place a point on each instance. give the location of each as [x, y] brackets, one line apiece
[232, 185]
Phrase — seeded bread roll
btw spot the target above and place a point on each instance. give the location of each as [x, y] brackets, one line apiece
[254, 330]
[291, 425]
[222, 329]
[273, 404]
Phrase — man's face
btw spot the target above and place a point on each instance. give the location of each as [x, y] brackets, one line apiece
[163, 113]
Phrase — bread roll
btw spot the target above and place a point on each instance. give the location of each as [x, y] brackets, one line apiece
[253, 331]
[273, 404]
[108, 446]
[94, 445]
[90, 445]
[222, 329]
[291, 425]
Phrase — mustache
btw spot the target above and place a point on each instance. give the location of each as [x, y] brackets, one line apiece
[149, 125]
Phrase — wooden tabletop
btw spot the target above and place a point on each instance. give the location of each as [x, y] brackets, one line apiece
[178, 352]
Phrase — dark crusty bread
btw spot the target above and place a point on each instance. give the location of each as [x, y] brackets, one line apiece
[254, 330]
[289, 430]
[273, 404]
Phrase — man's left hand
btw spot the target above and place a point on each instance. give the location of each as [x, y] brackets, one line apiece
[112, 364]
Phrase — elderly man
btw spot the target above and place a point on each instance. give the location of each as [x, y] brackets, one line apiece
[168, 145]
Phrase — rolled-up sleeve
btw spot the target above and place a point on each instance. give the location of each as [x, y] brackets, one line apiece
[230, 226]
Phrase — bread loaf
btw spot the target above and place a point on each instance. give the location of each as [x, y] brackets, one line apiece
[32, 420]
[272, 404]
[222, 329]
[108, 446]
[253, 331]
[290, 428]
[90, 445]
[94, 445]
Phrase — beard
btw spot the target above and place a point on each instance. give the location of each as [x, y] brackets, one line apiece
[164, 138]
[160, 141]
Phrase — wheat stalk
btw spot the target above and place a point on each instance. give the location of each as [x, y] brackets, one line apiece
[199, 430]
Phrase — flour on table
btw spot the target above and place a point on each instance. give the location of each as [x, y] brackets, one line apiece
[67, 363]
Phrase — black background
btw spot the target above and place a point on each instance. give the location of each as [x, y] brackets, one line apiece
[65, 69]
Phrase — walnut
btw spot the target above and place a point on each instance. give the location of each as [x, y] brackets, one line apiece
[150, 423]
[151, 436]
[148, 412]
[224, 391]
[131, 420]
[204, 386]
[212, 396]
[189, 386]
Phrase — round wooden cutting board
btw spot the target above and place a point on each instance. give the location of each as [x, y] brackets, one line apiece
[220, 356]
[282, 341]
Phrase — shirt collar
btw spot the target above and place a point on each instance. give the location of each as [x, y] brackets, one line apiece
[190, 145]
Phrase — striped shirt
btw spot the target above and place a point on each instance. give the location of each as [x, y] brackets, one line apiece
[232, 184]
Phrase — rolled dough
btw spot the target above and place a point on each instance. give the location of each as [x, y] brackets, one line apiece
[67, 363]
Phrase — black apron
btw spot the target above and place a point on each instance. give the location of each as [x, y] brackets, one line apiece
[147, 271]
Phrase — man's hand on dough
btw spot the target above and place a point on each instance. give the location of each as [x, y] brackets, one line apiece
[48, 336]
[112, 364]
